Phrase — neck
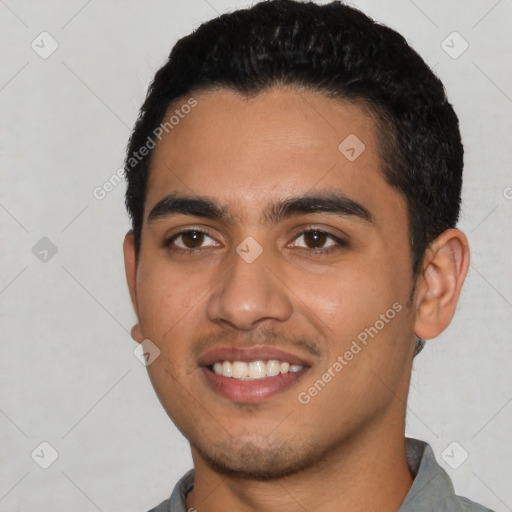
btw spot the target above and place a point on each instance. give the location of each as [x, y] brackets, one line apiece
[368, 472]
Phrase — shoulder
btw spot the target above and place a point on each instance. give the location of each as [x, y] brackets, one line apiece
[432, 488]
[177, 501]
[467, 505]
[165, 506]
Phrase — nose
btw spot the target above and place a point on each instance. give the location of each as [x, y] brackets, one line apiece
[249, 294]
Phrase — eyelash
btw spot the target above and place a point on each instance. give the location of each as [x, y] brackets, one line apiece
[339, 242]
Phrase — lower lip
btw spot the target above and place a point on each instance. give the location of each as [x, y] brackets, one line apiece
[251, 391]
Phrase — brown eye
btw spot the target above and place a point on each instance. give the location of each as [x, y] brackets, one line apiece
[190, 240]
[315, 239]
[318, 240]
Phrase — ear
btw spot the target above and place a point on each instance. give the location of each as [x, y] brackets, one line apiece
[445, 266]
[130, 267]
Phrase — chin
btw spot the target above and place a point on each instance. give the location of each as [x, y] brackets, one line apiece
[256, 462]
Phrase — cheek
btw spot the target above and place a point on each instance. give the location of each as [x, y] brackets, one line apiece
[167, 299]
[347, 300]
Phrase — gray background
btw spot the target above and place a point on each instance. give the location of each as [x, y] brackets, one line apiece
[68, 375]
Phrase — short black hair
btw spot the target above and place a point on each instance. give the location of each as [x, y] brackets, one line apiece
[335, 50]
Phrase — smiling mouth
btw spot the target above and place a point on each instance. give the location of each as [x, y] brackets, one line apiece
[254, 370]
[248, 375]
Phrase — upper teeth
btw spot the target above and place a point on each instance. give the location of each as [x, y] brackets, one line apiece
[254, 369]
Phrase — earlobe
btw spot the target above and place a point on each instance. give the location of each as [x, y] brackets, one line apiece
[445, 266]
[136, 333]
[130, 266]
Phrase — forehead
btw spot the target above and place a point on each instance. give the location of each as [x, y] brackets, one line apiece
[282, 142]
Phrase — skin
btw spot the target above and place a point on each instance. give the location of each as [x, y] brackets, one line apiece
[345, 448]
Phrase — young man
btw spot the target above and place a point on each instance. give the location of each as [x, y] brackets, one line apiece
[294, 184]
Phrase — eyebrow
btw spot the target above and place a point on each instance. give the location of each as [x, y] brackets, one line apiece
[206, 207]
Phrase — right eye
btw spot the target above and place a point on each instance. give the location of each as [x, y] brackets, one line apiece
[190, 240]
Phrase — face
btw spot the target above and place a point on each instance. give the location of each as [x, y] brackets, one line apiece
[274, 277]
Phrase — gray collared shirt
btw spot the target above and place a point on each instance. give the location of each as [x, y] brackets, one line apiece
[432, 489]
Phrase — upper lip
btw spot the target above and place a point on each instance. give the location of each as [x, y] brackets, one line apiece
[256, 353]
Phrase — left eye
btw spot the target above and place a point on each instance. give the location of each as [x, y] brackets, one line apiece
[316, 239]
